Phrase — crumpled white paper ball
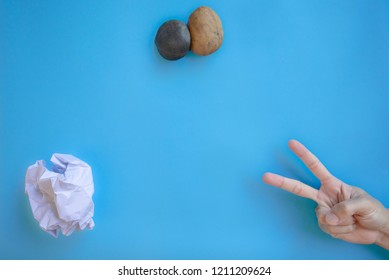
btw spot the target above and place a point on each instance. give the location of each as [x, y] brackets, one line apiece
[61, 199]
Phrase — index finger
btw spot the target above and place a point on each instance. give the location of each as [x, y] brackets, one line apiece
[310, 160]
[290, 185]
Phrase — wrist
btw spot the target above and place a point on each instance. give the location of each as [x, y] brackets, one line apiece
[383, 237]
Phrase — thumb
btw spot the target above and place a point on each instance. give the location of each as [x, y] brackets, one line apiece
[342, 213]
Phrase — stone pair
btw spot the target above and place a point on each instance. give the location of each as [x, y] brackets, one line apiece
[203, 35]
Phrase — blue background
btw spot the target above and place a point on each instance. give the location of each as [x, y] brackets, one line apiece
[178, 149]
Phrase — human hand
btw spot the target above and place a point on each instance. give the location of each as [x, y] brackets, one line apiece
[343, 211]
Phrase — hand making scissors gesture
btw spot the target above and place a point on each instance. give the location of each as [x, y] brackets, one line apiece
[343, 211]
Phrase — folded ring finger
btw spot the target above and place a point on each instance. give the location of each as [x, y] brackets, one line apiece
[334, 230]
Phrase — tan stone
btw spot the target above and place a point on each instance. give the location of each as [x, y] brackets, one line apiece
[206, 31]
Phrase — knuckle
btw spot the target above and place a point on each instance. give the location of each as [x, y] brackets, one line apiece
[297, 189]
[359, 191]
[334, 235]
[321, 226]
[320, 217]
[327, 179]
[343, 208]
[282, 185]
[314, 164]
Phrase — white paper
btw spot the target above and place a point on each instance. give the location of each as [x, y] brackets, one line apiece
[61, 199]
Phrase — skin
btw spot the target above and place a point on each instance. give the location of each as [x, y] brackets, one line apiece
[345, 212]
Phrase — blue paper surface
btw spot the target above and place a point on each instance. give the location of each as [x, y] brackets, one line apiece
[178, 148]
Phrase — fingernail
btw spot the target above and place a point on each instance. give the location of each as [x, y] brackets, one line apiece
[332, 219]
